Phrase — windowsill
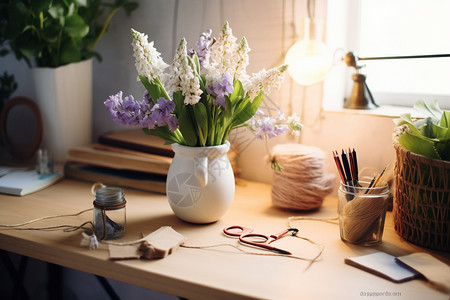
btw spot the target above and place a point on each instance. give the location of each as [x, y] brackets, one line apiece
[390, 111]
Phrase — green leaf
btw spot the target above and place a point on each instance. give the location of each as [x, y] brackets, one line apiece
[228, 112]
[418, 145]
[83, 3]
[445, 119]
[406, 119]
[56, 11]
[427, 130]
[154, 89]
[164, 133]
[248, 111]
[179, 102]
[238, 92]
[439, 132]
[40, 5]
[75, 27]
[69, 53]
[18, 12]
[71, 9]
[201, 119]
[187, 128]
[431, 109]
[196, 64]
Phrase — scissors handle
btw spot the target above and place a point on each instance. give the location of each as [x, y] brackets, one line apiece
[237, 230]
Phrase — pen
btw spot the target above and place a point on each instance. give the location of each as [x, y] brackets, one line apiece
[374, 181]
[355, 162]
[346, 166]
[378, 179]
[352, 164]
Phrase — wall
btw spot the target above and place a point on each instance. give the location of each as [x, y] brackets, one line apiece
[270, 27]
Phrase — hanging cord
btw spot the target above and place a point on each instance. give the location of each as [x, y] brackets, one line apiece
[311, 7]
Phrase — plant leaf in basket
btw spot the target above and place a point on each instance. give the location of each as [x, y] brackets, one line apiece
[429, 136]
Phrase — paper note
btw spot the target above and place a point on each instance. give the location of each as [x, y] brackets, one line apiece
[21, 183]
[383, 265]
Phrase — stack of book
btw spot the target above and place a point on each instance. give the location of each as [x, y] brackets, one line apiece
[126, 158]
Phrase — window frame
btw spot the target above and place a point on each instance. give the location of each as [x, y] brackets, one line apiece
[342, 35]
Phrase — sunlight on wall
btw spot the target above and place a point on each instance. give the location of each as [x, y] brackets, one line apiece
[270, 28]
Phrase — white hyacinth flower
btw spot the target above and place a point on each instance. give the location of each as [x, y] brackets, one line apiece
[223, 55]
[148, 61]
[183, 78]
[294, 124]
[243, 60]
[266, 80]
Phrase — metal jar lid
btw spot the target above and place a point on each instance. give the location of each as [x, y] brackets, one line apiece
[109, 198]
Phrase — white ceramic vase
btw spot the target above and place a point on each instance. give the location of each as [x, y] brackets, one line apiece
[200, 183]
[64, 96]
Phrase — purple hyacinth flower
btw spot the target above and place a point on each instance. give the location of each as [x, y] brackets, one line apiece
[222, 88]
[203, 44]
[127, 111]
[123, 111]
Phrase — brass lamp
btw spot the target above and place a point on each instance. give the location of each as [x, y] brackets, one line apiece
[360, 94]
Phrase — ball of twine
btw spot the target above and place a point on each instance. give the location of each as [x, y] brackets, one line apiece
[302, 184]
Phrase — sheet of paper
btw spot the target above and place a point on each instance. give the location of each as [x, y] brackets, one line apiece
[20, 183]
[383, 265]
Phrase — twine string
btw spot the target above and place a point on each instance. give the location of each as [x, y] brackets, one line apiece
[304, 173]
[244, 251]
[18, 225]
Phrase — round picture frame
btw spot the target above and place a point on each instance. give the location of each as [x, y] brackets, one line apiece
[20, 151]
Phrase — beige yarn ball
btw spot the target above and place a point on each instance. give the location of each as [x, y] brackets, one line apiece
[302, 184]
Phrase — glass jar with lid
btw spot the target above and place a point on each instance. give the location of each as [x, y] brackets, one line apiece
[109, 213]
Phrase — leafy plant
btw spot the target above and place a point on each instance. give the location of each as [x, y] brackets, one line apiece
[57, 32]
[7, 86]
[429, 136]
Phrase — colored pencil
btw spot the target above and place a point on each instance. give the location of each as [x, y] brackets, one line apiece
[339, 166]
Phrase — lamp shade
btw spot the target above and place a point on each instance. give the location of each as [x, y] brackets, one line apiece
[309, 59]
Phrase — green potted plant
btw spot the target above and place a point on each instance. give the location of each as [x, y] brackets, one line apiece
[56, 38]
[57, 32]
[422, 177]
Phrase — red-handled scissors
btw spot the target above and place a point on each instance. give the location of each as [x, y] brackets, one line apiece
[247, 236]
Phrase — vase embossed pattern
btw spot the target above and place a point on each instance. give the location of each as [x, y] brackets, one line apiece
[200, 183]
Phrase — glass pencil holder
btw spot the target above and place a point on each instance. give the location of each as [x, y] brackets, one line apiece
[362, 211]
[109, 213]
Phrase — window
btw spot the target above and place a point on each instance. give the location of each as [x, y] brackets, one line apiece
[393, 28]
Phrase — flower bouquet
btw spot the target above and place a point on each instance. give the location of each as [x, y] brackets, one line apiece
[202, 95]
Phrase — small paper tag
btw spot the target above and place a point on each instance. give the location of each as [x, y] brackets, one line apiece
[157, 244]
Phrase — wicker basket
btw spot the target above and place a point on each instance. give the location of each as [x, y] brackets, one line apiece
[421, 199]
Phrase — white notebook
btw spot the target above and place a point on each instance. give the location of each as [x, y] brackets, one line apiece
[21, 183]
[383, 265]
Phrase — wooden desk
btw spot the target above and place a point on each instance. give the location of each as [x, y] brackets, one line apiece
[219, 273]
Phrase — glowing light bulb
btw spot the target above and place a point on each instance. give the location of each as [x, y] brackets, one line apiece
[309, 60]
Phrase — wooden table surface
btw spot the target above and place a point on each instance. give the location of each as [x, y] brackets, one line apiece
[215, 273]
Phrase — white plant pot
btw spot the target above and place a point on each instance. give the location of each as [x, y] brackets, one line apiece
[64, 96]
[200, 183]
